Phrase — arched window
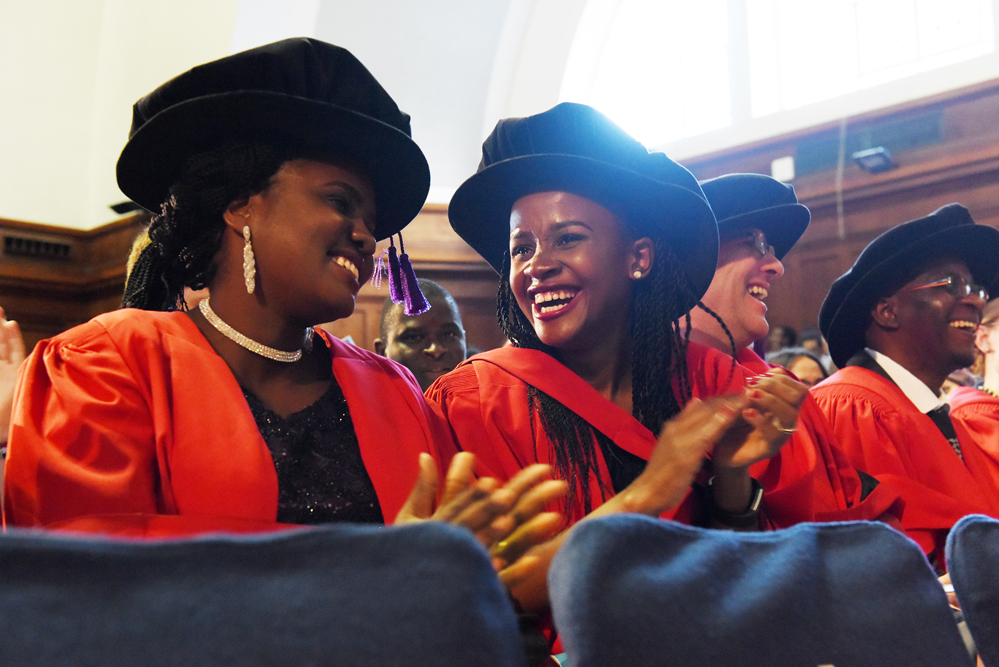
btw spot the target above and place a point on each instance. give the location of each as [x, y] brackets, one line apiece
[805, 52]
[666, 70]
[659, 68]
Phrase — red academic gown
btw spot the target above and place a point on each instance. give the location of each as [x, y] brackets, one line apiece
[485, 402]
[883, 433]
[978, 414]
[810, 479]
[132, 424]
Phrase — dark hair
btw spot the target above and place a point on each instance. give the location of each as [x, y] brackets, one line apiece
[658, 360]
[788, 335]
[809, 334]
[431, 290]
[187, 232]
[787, 356]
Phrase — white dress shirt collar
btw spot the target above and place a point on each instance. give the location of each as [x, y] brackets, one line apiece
[914, 389]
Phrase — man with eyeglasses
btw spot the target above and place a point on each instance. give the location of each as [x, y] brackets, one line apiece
[759, 220]
[898, 323]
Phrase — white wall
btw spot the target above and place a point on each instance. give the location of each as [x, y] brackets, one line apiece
[48, 51]
[71, 71]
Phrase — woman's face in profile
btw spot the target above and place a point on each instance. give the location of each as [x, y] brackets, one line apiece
[312, 234]
[570, 266]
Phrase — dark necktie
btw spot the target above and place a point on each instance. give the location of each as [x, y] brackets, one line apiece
[941, 417]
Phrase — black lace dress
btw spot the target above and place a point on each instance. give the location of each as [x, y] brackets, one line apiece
[321, 477]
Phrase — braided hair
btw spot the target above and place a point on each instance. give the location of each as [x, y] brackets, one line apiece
[187, 233]
[728, 332]
[658, 359]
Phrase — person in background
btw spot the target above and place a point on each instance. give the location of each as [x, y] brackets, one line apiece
[802, 363]
[812, 340]
[602, 248]
[962, 377]
[898, 323]
[759, 221]
[780, 337]
[977, 409]
[271, 174]
[430, 344]
[11, 358]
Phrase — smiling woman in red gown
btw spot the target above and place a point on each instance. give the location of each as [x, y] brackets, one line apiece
[602, 248]
[271, 174]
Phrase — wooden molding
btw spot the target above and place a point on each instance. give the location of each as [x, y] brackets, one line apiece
[52, 278]
[850, 211]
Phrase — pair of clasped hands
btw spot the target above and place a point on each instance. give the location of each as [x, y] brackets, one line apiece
[509, 519]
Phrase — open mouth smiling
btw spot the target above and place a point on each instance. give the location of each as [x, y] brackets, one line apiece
[758, 291]
[349, 265]
[968, 326]
[552, 301]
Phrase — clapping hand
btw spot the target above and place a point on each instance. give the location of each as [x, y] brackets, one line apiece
[507, 518]
[766, 423]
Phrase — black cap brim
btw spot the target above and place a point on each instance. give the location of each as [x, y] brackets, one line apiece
[154, 156]
[480, 209]
[843, 319]
[782, 224]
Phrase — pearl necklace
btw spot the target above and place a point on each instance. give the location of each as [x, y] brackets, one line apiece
[248, 343]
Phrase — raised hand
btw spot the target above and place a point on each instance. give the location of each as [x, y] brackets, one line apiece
[11, 356]
[766, 423]
[508, 519]
[680, 449]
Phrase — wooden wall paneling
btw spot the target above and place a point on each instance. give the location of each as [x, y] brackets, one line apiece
[48, 292]
[437, 254]
[475, 295]
[963, 166]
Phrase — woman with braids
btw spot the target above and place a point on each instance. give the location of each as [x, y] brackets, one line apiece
[273, 172]
[759, 221]
[602, 248]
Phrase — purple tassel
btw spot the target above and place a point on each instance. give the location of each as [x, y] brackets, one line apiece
[395, 274]
[416, 303]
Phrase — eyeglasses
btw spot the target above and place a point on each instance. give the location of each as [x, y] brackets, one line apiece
[760, 244]
[954, 286]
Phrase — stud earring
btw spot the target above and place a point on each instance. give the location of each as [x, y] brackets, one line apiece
[249, 267]
[637, 275]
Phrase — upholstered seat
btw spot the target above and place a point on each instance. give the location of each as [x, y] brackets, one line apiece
[973, 560]
[339, 595]
[630, 590]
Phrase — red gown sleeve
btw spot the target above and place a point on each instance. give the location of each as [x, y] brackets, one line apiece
[133, 414]
[810, 478]
[482, 424]
[978, 414]
[81, 438]
[902, 452]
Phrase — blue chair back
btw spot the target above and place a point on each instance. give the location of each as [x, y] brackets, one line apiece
[973, 561]
[631, 590]
[340, 595]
